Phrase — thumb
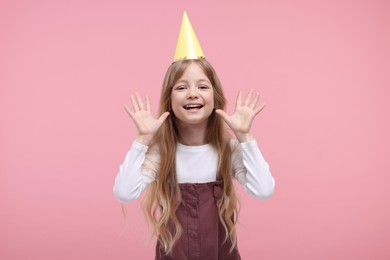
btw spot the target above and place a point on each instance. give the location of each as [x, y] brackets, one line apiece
[222, 114]
[162, 118]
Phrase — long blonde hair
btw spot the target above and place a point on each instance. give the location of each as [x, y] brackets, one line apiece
[163, 195]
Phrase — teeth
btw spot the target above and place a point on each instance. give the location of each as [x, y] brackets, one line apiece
[192, 106]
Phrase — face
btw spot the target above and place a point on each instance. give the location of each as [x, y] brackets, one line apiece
[192, 97]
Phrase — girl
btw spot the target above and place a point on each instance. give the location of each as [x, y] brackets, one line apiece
[186, 161]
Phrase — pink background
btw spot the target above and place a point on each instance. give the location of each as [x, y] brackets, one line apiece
[67, 67]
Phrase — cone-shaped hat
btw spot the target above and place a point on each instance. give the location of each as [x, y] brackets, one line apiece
[188, 46]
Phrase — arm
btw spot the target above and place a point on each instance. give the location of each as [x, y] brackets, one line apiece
[252, 171]
[138, 168]
[131, 179]
[249, 166]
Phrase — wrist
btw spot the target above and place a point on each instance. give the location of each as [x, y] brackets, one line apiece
[144, 139]
[244, 137]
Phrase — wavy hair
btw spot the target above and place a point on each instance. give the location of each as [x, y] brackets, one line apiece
[163, 195]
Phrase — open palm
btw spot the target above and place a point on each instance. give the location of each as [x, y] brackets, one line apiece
[143, 119]
[241, 120]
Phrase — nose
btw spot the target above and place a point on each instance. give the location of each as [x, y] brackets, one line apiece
[192, 93]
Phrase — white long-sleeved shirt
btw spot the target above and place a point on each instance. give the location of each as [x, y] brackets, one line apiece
[194, 164]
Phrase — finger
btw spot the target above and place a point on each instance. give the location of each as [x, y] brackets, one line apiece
[259, 108]
[248, 98]
[134, 103]
[128, 111]
[238, 100]
[162, 118]
[139, 101]
[147, 103]
[256, 99]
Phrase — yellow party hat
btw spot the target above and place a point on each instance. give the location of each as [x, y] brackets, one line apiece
[188, 46]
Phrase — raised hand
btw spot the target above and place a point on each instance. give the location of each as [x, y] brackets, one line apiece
[241, 120]
[142, 117]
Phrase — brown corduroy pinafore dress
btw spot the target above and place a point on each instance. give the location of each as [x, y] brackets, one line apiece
[203, 233]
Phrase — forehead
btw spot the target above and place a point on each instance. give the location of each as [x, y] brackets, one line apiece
[194, 72]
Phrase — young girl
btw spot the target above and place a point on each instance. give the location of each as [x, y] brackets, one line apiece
[186, 161]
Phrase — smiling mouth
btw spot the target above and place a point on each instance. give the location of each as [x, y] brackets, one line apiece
[189, 107]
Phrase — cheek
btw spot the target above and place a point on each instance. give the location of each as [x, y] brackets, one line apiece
[212, 100]
[174, 103]
[173, 100]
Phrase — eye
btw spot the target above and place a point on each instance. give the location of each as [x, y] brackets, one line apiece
[180, 87]
[204, 87]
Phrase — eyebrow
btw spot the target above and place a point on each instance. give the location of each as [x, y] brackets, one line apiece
[200, 80]
[205, 80]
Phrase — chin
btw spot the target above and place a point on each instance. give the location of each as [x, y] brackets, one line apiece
[191, 121]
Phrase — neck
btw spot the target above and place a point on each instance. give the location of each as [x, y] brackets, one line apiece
[192, 135]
